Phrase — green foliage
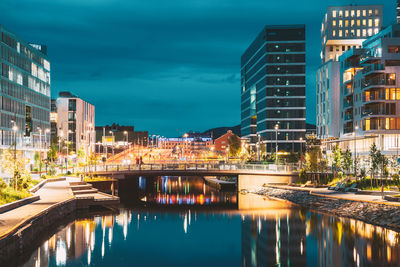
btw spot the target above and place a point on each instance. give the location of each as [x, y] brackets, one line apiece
[52, 153]
[235, 145]
[15, 166]
[9, 194]
[3, 184]
[303, 175]
[347, 160]
[337, 158]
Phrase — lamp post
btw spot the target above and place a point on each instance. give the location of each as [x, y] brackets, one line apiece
[59, 142]
[301, 152]
[355, 151]
[127, 138]
[66, 162]
[15, 129]
[112, 134]
[276, 145]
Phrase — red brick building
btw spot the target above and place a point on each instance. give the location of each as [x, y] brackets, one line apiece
[221, 143]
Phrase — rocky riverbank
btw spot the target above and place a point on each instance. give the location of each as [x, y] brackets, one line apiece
[377, 214]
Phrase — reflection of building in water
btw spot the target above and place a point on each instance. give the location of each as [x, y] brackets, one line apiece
[349, 242]
[278, 241]
[168, 190]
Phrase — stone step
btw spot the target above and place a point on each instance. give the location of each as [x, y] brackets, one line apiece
[77, 183]
[87, 191]
[80, 187]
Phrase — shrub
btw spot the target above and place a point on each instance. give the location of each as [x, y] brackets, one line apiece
[303, 175]
[3, 184]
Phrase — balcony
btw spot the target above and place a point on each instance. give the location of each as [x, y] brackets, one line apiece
[374, 97]
[348, 104]
[348, 91]
[378, 82]
[370, 57]
[370, 69]
[348, 117]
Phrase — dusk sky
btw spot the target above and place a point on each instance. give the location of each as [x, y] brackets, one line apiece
[164, 66]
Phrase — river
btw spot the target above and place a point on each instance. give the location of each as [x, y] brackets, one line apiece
[181, 221]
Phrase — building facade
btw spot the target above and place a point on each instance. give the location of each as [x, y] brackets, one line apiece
[370, 94]
[273, 86]
[221, 144]
[24, 95]
[75, 122]
[343, 28]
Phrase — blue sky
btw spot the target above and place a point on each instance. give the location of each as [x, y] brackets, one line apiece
[164, 66]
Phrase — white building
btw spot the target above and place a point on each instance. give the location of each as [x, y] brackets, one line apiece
[343, 28]
[75, 122]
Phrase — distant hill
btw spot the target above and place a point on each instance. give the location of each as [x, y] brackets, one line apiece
[217, 132]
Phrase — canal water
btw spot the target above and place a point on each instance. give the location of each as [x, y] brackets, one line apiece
[181, 221]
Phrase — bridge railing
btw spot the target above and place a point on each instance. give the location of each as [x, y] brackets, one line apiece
[193, 167]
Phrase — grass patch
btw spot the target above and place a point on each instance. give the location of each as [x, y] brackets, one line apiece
[97, 179]
[8, 195]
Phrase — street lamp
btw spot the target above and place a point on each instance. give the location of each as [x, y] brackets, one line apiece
[355, 151]
[301, 152]
[276, 145]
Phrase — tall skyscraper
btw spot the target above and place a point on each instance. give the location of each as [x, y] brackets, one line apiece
[25, 95]
[273, 88]
[343, 28]
[398, 11]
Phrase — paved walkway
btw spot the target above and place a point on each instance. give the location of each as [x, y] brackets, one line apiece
[341, 195]
[50, 194]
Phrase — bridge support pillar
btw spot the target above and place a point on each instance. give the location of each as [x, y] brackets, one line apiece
[256, 182]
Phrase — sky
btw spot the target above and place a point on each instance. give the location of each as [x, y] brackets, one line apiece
[163, 66]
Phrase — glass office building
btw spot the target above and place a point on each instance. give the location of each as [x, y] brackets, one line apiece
[273, 87]
[24, 94]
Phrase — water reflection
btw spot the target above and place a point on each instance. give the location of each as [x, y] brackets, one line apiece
[280, 235]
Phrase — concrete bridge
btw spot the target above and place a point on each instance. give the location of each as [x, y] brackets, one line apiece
[250, 176]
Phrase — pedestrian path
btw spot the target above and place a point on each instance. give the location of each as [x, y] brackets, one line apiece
[324, 192]
[50, 194]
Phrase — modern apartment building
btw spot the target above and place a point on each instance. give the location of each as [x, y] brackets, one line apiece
[273, 88]
[343, 28]
[24, 95]
[370, 93]
[75, 122]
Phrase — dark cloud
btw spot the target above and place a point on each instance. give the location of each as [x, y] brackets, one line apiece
[165, 66]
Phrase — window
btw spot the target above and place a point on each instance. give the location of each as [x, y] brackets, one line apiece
[364, 32]
[370, 23]
[331, 48]
[364, 13]
[358, 13]
[346, 13]
[358, 23]
[340, 33]
[369, 32]
[340, 23]
[334, 23]
[364, 22]
[352, 14]
[333, 33]
[334, 13]
[346, 33]
[358, 33]
[340, 14]
[346, 23]
[367, 125]
[376, 12]
[370, 12]
[352, 22]
[376, 22]
[376, 31]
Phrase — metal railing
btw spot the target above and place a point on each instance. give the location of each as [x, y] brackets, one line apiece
[192, 167]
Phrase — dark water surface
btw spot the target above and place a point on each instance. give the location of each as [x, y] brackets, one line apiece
[181, 221]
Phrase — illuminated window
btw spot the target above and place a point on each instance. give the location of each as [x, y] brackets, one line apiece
[387, 94]
[346, 33]
[358, 23]
[367, 96]
[340, 33]
[334, 13]
[352, 33]
[376, 22]
[392, 76]
[364, 22]
[340, 23]
[398, 94]
[352, 14]
[358, 33]
[370, 23]
[376, 31]
[392, 123]
[346, 13]
[369, 32]
[340, 14]
[364, 12]
[358, 13]
[367, 125]
[370, 12]
[352, 23]
[346, 23]
[364, 32]
[376, 12]
[387, 125]
[334, 23]
[392, 93]
[333, 33]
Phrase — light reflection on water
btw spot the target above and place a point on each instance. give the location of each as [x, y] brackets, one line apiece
[282, 235]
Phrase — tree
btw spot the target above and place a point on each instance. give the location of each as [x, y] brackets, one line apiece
[16, 167]
[337, 159]
[347, 160]
[374, 160]
[52, 153]
[313, 158]
[235, 145]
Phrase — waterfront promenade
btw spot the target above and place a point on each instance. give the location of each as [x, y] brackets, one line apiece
[50, 194]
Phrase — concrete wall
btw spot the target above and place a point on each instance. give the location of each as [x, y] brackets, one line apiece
[253, 182]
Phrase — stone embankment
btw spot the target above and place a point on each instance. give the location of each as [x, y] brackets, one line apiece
[372, 213]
